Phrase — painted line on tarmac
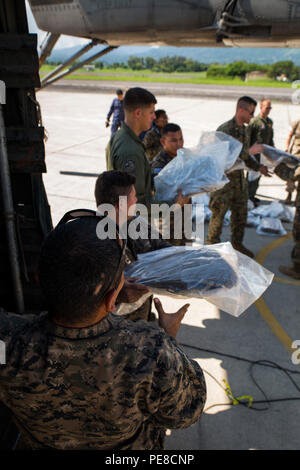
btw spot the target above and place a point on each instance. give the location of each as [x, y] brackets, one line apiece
[261, 305]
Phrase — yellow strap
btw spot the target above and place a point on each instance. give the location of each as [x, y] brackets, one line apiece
[236, 400]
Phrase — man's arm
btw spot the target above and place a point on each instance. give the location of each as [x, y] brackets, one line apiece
[111, 110]
[178, 379]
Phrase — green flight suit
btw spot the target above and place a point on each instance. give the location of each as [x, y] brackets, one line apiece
[234, 195]
[126, 152]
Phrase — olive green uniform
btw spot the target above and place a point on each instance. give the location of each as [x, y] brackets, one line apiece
[260, 131]
[116, 384]
[126, 152]
[234, 195]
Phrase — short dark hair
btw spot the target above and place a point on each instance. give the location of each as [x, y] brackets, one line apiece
[170, 128]
[110, 185]
[119, 91]
[72, 264]
[159, 112]
[138, 98]
[246, 100]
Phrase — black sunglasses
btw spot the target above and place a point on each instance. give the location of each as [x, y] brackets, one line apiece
[79, 213]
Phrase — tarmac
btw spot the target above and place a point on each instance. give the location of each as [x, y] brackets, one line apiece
[226, 347]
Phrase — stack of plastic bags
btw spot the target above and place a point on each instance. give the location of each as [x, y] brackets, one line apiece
[266, 218]
[270, 217]
[200, 169]
[216, 273]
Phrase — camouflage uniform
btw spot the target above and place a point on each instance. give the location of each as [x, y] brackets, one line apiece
[159, 162]
[260, 131]
[113, 385]
[234, 195]
[286, 173]
[152, 143]
[295, 149]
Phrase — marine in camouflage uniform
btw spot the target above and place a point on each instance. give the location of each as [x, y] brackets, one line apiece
[293, 148]
[289, 174]
[152, 143]
[114, 385]
[234, 195]
[261, 131]
[151, 139]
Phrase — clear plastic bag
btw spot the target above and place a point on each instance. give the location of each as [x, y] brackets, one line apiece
[275, 210]
[275, 156]
[208, 139]
[200, 169]
[271, 227]
[126, 308]
[253, 175]
[252, 220]
[217, 273]
[200, 208]
[268, 210]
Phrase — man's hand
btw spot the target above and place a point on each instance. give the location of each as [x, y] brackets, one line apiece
[107, 123]
[180, 199]
[170, 322]
[264, 170]
[256, 148]
[131, 292]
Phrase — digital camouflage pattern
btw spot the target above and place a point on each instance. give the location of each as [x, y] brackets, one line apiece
[260, 130]
[152, 143]
[114, 385]
[161, 160]
[295, 148]
[288, 174]
[234, 195]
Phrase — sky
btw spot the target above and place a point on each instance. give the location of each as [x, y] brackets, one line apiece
[63, 42]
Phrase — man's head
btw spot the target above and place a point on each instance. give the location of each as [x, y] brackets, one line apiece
[139, 108]
[79, 273]
[265, 107]
[119, 94]
[171, 139]
[245, 109]
[111, 188]
[161, 118]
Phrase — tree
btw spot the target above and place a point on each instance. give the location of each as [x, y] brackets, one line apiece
[285, 67]
[136, 63]
[150, 63]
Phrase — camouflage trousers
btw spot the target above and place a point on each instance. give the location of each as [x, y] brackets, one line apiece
[296, 231]
[234, 197]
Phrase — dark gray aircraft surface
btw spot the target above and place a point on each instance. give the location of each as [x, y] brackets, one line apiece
[245, 23]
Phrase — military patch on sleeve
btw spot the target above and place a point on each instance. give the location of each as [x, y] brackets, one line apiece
[129, 166]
